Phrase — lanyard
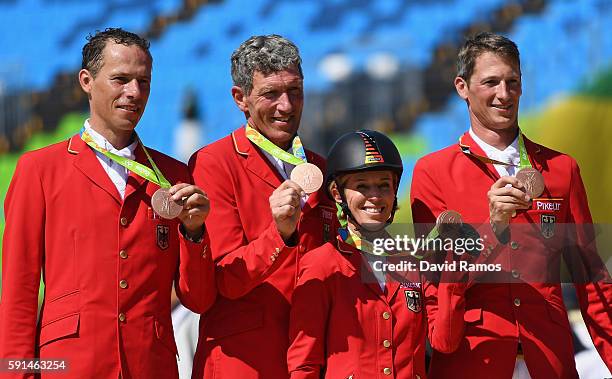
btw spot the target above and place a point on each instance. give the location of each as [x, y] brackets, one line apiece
[153, 175]
[298, 157]
[524, 157]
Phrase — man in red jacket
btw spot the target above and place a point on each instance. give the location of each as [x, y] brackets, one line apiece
[80, 213]
[261, 222]
[530, 206]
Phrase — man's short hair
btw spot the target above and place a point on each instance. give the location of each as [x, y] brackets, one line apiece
[266, 54]
[92, 51]
[481, 43]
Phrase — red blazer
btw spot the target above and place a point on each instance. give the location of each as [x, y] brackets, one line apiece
[344, 326]
[244, 334]
[66, 220]
[529, 304]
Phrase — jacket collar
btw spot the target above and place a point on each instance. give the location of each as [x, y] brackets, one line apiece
[87, 162]
[258, 164]
[357, 262]
[255, 161]
[533, 150]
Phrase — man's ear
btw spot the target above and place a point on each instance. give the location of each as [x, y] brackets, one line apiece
[240, 98]
[86, 81]
[461, 85]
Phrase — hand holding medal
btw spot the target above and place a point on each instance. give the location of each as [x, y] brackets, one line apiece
[186, 201]
[192, 204]
[308, 176]
[506, 196]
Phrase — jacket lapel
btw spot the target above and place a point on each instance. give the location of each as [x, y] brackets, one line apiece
[357, 263]
[255, 161]
[87, 162]
[467, 141]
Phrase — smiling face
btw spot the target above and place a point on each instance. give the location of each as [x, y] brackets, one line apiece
[274, 106]
[370, 196]
[492, 92]
[119, 91]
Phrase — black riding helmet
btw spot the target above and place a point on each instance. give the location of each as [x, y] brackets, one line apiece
[362, 150]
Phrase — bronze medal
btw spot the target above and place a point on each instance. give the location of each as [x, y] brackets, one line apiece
[163, 206]
[532, 180]
[449, 217]
[449, 224]
[307, 176]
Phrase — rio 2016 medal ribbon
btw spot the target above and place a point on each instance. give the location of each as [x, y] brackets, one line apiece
[160, 201]
[532, 179]
[306, 175]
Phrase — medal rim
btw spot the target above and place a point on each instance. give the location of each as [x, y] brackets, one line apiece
[154, 204]
[539, 181]
[445, 214]
[297, 173]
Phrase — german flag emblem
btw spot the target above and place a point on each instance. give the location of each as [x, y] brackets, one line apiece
[372, 155]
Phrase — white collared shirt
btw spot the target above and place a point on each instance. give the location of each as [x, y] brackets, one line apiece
[117, 173]
[509, 154]
[282, 167]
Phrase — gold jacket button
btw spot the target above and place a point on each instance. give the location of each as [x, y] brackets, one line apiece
[514, 245]
[123, 254]
[517, 302]
[386, 315]
[515, 274]
[387, 371]
[123, 221]
[122, 317]
[387, 343]
[123, 283]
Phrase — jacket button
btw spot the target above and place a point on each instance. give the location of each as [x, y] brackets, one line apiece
[387, 343]
[122, 317]
[123, 221]
[386, 315]
[387, 371]
[514, 245]
[123, 254]
[515, 274]
[123, 283]
[517, 302]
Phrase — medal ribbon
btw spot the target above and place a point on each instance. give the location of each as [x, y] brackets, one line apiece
[524, 157]
[153, 175]
[298, 157]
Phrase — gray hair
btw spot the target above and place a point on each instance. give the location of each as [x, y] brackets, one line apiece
[482, 43]
[266, 54]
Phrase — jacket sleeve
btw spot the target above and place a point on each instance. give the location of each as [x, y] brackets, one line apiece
[307, 325]
[590, 276]
[241, 265]
[427, 203]
[22, 257]
[445, 307]
[195, 280]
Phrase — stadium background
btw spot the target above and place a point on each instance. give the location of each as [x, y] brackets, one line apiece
[379, 64]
